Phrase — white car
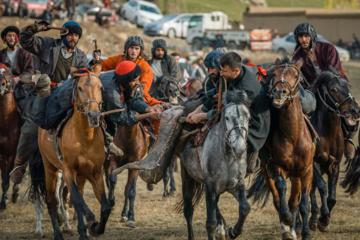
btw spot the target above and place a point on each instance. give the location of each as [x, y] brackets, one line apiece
[287, 44]
[173, 25]
[140, 12]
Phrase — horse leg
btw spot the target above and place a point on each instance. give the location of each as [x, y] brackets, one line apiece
[111, 179]
[188, 191]
[39, 208]
[294, 203]
[314, 206]
[88, 214]
[334, 176]
[77, 199]
[15, 194]
[98, 228]
[244, 209]
[221, 223]
[285, 215]
[64, 214]
[210, 195]
[166, 178]
[51, 178]
[58, 196]
[5, 183]
[172, 179]
[324, 219]
[306, 181]
[133, 175]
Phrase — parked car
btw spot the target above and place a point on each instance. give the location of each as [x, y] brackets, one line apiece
[287, 44]
[140, 12]
[36, 8]
[174, 25]
[108, 14]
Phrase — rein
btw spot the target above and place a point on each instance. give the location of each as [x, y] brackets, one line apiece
[336, 104]
[282, 81]
[162, 91]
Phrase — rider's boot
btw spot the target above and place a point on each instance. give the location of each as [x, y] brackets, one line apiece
[349, 148]
[19, 170]
[252, 162]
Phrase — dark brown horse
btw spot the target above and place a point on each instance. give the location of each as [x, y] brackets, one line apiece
[334, 101]
[192, 87]
[10, 125]
[82, 146]
[133, 142]
[291, 147]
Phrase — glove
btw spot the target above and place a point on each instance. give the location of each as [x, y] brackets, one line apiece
[96, 55]
[40, 26]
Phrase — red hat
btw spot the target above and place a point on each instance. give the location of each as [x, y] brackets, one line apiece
[127, 71]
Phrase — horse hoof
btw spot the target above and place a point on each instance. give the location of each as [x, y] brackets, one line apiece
[14, 198]
[287, 236]
[2, 207]
[231, 233]
[38, 235]
[130, 224]
[172, 193]
[313, 226]
[89, 226]
[150, 187]
[112, 208]
[123, 219]
[322, 227]
[220, 233]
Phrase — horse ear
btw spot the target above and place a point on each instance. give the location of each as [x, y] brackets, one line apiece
[334, 70]
[73, 69]
[97, 70]
[299, 63]
[277, 62]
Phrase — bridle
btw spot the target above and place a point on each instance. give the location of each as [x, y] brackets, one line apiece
[83, 72]
[292, 89]
[9, 82]
[162, 90]
[237, 127]
[337, 105]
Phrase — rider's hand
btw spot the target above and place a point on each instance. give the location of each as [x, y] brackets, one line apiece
[196, 118]
[40, 26]
[16, 80]
[154, 116]
[96, 55]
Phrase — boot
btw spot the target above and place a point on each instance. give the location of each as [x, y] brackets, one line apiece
[252, 162]
[185, 135]
[349, 148]
[19, 170]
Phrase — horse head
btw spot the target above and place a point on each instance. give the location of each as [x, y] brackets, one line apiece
[168, 89]
[5, 79]
[333, 91]
[286, 76]
[236, 116]
[87, 94]
[194, 86]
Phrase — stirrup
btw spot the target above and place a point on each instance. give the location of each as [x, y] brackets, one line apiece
[115, 150]
[15, 168]
[351, 141]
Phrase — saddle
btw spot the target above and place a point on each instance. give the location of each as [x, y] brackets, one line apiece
[199, 136]
[56, 134]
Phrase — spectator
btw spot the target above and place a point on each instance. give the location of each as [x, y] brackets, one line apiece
[241, 26]
[187, 65]
[98, 17]
[205, 44]
[9, 9]
[219, 40]
[22, 11]
[184, 73]
[197, 72]
[48, 14]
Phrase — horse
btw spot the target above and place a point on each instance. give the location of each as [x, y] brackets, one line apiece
[166, 89]
[132, 141]
[334, 101]
[11, 122]
[351, 181]
[219, 165]
[82, 146]
[292, 150]
[192, 87]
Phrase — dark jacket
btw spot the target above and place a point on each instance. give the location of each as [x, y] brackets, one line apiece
[326, 55]
[219, 41]
[23, 63]
[47, 50]
[259, 108]
[169, 66]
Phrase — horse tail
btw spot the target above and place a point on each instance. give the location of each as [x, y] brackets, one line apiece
[37, 187]
[197, 193]
[259, 190]
[351, 181]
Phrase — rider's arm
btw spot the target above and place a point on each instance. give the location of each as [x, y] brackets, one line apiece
[138, 103]
[27, 60]
[334, 60]
[174, 69]
[34, 44]
[110, 63]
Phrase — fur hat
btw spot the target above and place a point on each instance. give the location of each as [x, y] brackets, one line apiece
[10, 29]
[127, 71]
[72, 27]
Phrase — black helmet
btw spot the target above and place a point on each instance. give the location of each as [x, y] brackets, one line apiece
[212, 60]
[305, 28]
[133, 41]
[10, 29]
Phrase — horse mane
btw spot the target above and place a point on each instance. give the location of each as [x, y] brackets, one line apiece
[271, 70]
[238, 97]
[325, 77]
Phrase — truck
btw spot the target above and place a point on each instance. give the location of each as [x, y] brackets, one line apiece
[211, 23]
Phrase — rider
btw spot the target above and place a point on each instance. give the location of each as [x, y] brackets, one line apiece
[21, 62]
[240, 77]
[163, 64]
[56, 57]
[317, 56]
[134, 51]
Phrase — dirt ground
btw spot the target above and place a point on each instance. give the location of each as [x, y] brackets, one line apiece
[155, 217]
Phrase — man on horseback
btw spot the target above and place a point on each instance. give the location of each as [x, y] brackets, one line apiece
[317, 57]
[20, 60]
[240, 77]
[56, 56]
[163, 64]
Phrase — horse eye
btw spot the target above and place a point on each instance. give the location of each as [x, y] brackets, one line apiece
[296, 76]
[334, 90]
[227, 118]
[80, 89]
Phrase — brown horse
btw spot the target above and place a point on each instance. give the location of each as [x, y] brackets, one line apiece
[82, 146]
[132, 141]
[192, 87]
[10, 125]
[291, 147]
[334, 101]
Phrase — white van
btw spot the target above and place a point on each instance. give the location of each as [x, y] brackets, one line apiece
[140, 12]
[173, 25]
